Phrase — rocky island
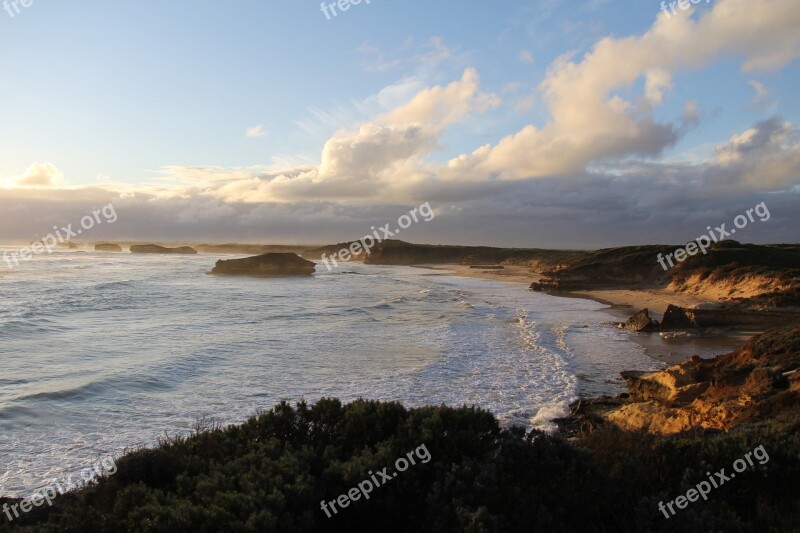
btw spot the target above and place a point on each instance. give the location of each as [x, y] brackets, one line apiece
[266, 265]
[156, 249]
[107, 247]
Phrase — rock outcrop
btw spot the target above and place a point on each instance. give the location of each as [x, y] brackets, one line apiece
[107, 247]
[156, 249]
[641, 321]
[677, 318]
[266, 265]
[752, 384]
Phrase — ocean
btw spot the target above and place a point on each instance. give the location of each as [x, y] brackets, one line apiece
[102, 352]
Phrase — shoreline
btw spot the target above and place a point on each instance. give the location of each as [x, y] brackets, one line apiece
[622, 304]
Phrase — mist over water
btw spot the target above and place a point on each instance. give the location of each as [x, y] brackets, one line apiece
[104, 351]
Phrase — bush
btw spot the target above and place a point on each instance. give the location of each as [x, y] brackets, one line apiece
[272, 472]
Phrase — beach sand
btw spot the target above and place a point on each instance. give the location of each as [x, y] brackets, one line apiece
[628, 300]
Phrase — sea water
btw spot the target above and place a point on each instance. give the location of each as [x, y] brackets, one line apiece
[101, 352]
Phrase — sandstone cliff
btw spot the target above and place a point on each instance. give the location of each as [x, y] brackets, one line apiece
[759, 381]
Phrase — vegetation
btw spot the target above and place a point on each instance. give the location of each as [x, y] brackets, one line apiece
[397, 252]
[272, 472]
[733, 262]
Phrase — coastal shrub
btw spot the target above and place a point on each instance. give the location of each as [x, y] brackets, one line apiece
[271, 473]
[649, 469]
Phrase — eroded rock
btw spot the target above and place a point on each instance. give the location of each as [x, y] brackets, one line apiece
[266, 265]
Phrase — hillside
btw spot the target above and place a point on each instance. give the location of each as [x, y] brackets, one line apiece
[394, 252]
[766, 275]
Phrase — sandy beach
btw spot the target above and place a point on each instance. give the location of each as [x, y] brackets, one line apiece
[624, 300]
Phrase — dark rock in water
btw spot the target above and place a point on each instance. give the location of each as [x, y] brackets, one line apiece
[107, 247]
[536, 286]
[641, 321]
[156, 249]
[677, 318]
[266, 265]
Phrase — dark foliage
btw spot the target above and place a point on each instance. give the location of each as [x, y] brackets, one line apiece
[272, 472]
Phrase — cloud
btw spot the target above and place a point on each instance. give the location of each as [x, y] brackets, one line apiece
[443, 106]
[590, 123]
[765, 156]
[762, 99]
[44, 175]
[425, 62]
[255, 132]
[382, 158]
[588, 175]
[525, 57]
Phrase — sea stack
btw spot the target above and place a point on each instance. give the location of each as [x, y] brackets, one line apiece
[266, 265]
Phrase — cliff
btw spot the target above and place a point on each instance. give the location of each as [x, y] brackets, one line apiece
[752, 277]
[758, 382]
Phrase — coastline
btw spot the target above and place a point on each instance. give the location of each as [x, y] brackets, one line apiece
[622, 303]
[632, 300]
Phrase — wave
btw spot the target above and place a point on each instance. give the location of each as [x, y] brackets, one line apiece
[99, 387]
[27, 327]
[114, 284]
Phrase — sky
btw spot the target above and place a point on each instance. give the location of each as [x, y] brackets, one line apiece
[561, 124]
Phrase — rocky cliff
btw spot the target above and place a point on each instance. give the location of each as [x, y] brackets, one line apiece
[757, 382]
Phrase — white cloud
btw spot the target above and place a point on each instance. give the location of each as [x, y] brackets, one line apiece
[525, 57]
[380, 158]
[255, 132]
[590, 123]
[44, 175]
[531, 186]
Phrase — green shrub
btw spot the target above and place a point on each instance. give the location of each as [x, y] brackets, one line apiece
[272, 472]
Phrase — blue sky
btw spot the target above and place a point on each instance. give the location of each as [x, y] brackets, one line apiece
[150, 104]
